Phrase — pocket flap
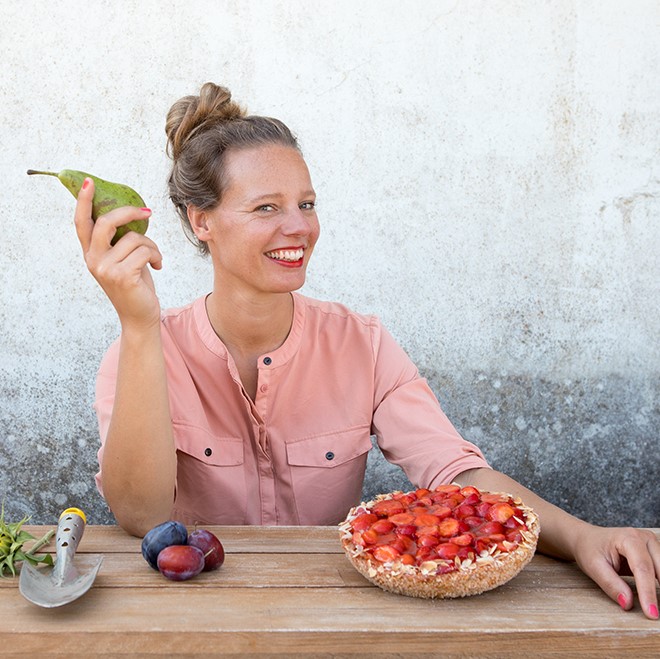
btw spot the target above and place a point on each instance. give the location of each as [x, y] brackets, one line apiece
[329, 450]
[200, 444]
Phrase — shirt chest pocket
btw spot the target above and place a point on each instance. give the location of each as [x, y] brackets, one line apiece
[210, 480]
[327, 473]
[331, 450]
[210, 449]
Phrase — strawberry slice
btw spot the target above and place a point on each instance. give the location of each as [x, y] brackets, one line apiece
[370, 537]
[427, 541]
[447, 489]
[386, 554]
[500, 512]
[454, 500]
[447, 550]
[463, 540]
[448, 527]
[408, 559]
[406, 529]
[491, 497]
[514, 536]
[465, 510]
[404, 544]
[426, 519]
[382, 526]
[440, 510]
[405, 499]
[363, 522]
[402, 519]
[387, 507]
[488, 528]
[472, 522]
[483, 508]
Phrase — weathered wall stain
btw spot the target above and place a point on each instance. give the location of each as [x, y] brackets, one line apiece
[626, 205]
[569, 442]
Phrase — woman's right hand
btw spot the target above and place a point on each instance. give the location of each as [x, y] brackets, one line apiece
[120, 269]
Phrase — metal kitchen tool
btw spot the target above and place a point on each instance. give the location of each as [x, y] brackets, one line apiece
[65, 581]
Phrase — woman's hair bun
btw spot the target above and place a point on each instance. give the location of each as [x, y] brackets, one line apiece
[191, 113]
[201, 131]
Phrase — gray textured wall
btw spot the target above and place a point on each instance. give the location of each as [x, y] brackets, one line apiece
[489, 185]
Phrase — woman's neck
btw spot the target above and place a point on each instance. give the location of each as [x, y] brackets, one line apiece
[251, 326]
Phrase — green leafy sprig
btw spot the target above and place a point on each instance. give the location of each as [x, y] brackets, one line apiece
[12, 539]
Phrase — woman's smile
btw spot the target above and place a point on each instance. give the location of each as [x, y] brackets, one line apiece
[290, 257]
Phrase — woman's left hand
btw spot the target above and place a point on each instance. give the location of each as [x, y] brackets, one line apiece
[607, 554]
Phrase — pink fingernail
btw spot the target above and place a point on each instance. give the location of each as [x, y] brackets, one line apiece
[85, 184]
[146, 210]
[653, 611]
[621, 599]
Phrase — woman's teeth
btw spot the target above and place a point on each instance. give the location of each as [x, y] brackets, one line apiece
[291, 255]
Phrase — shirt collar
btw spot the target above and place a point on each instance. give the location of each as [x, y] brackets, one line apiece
[278, 357]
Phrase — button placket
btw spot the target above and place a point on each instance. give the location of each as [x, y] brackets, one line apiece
[264, 387]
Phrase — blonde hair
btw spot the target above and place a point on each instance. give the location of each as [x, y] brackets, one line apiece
[201, 130]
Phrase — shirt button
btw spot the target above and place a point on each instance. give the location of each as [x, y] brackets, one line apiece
[207, 451]
[267, 361]
[329, 455]
[263, 388]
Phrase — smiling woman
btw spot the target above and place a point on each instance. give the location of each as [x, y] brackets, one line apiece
[255, 404]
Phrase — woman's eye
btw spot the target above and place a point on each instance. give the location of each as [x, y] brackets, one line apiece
[265, 208]
[308, 205]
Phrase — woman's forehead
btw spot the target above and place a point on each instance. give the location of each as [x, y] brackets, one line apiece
[271, 168]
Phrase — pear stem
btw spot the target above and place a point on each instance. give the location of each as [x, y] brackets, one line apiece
[34, 171]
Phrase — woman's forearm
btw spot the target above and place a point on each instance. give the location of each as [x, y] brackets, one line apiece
[559, 529]
[139, 458]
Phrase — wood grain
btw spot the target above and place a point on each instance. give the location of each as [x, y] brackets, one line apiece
[291, 591]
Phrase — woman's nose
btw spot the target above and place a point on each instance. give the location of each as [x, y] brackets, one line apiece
[297, 222]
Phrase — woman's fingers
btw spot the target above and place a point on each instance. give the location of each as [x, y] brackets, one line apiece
[97, 236]
[643, 555]
[107, 225]
[132, 241]
[609, 550]
[83, 215]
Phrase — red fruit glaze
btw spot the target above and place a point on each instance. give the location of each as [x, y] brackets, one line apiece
[446, 525]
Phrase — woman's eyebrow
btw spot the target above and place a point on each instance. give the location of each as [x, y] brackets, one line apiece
[276, 195]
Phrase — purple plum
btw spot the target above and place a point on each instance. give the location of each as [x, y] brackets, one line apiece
[180, 562]
[214, 553]
[161, 536]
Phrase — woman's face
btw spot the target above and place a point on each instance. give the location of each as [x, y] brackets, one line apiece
[262, 233]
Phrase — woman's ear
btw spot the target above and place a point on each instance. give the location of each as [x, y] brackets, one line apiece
[199, 222]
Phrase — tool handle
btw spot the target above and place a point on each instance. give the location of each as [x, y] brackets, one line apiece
[70, 530]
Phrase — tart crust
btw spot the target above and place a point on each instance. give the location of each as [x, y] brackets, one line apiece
[490, 569]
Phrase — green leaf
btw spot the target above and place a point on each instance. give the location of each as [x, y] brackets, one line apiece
[12, 539]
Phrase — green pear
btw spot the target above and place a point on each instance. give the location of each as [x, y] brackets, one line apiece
[107, 196]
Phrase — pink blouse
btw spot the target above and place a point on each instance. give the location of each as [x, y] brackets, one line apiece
[297, 454]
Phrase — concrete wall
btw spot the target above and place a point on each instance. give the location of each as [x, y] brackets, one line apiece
[488, 182]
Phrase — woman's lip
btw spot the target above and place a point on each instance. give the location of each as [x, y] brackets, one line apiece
[285, 248]
[289, 264]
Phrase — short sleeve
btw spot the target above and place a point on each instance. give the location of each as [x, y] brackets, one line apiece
[410, 427]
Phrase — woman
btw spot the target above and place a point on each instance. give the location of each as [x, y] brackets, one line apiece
[254, 404]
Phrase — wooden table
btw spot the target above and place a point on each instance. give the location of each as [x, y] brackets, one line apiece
[286, 591]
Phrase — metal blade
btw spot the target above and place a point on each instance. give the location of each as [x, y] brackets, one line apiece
[43, 586]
